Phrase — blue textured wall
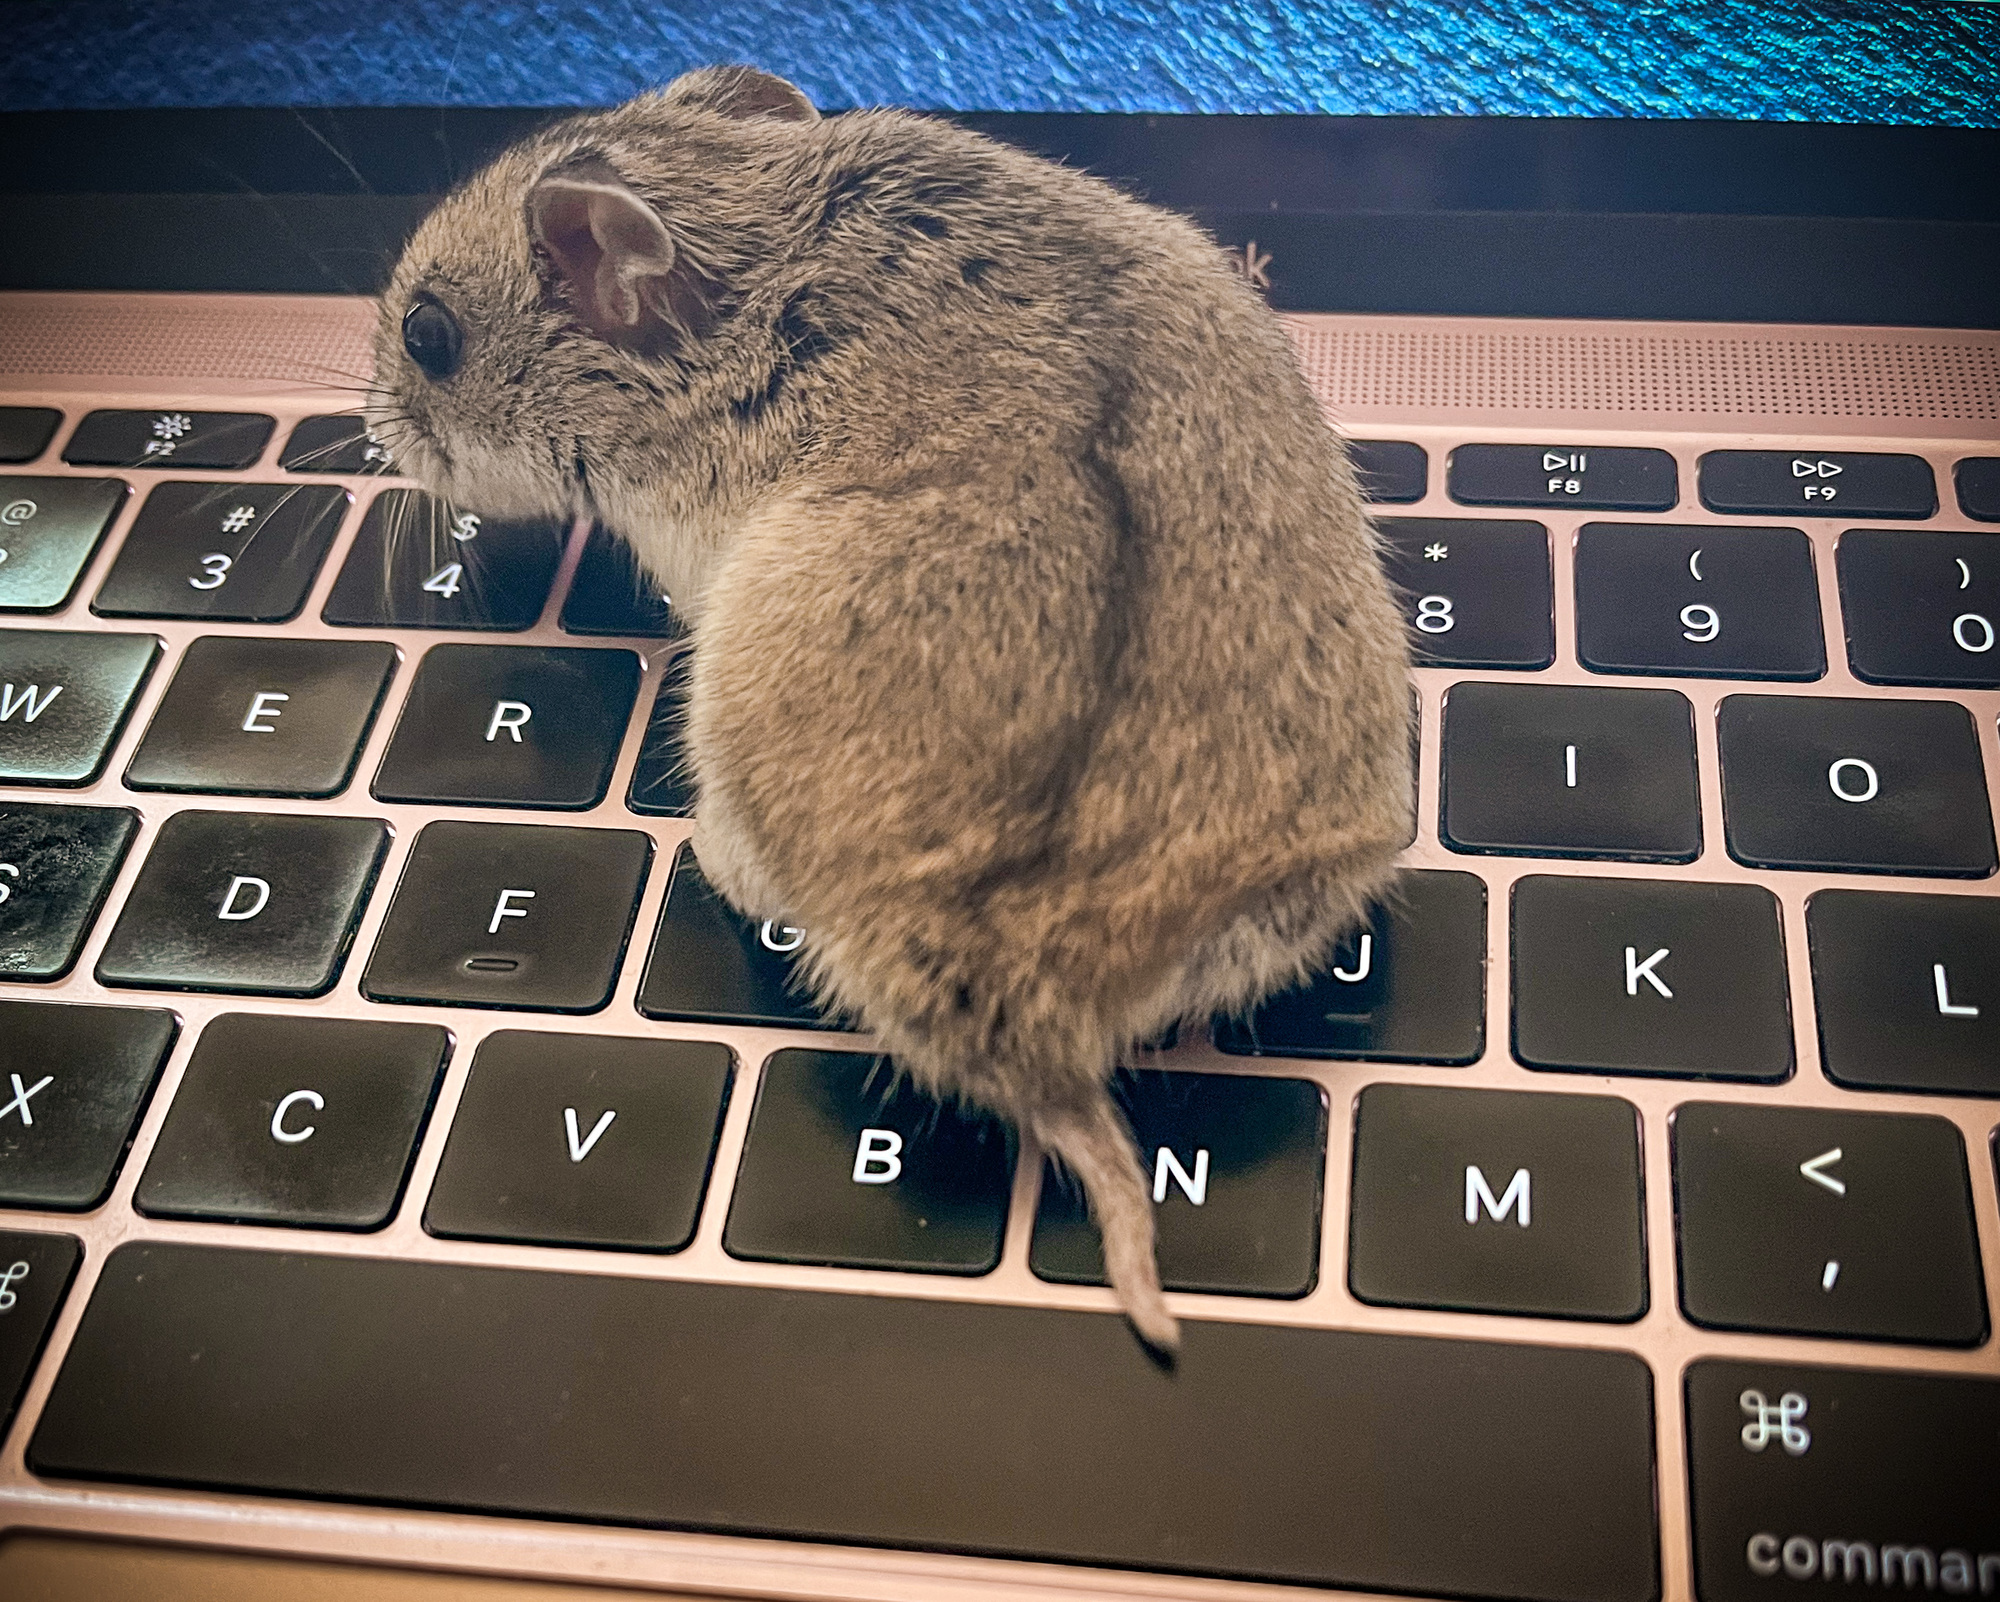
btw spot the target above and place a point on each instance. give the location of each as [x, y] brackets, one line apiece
[1795, 60]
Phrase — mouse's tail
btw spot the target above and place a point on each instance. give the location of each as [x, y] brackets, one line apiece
[1095, 1146]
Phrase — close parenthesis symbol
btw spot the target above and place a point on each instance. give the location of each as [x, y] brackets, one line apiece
[1694, 562]
[1964, 575]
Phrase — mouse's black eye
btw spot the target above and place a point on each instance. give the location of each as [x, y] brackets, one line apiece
[433, 338]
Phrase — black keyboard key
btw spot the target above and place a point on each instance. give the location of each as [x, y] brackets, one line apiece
[1608, 478]
[169, 439]
[1644, 976]
[50, 528]
[1817, 484]
[1977, 479]
[847, 1163]
[25, 431]
[1808, 1222]
[711, 964]
[1302, 1455]
[418, 563]
[1390, 471]
[1908, 989]
[335, 444]
[1493, 1201]
[581, 1140]
[306, 1121]
[1559, 770]
[1235, 1165]
[611, 595]
[1724, 603]
[1921, 608]
[75, 1080]
[63, 699]
[1408, 987]
[1477, 592]
[662, 784]
[253, 902]
[35, 1271]
[243, 553]
[1831, 1481]
[264, 717]
[511, 725]
[510, 915]
[1867, 786]
[56, 865]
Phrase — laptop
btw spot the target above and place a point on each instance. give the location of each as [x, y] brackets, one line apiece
[416, 1183]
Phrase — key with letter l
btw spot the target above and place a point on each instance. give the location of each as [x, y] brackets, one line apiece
[1908, 990]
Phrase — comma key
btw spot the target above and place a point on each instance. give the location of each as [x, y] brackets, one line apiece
[1810, 1222]
[1822, 1480]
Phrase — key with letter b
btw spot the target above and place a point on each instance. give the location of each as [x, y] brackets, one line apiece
[848, 1163]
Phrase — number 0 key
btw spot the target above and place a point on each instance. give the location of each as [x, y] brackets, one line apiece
[1921, 608]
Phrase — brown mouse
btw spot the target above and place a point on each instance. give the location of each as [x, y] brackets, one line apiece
[1044, 668]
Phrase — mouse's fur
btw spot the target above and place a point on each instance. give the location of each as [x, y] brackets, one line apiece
[1044, 669]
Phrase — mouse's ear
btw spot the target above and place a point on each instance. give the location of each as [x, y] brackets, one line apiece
[740, 92]
[610, 257]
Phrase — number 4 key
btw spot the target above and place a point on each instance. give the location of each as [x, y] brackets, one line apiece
[418, 563]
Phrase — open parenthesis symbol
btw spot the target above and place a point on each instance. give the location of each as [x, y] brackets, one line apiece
[1694, 562]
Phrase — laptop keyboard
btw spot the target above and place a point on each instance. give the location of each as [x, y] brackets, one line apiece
[393, 1114]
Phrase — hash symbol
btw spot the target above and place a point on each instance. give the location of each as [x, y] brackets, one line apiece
[1436, 553]
[239, 518]
[1780, 1419]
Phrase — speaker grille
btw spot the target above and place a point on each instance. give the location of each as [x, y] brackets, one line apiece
[1397, 364]
[1351, 364]
[298, 340]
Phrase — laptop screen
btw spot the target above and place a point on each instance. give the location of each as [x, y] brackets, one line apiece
[1746, 161]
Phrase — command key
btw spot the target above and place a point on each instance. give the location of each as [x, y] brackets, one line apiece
[1805, 1479]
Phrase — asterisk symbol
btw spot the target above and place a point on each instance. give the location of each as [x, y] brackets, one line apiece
[1435, 553]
